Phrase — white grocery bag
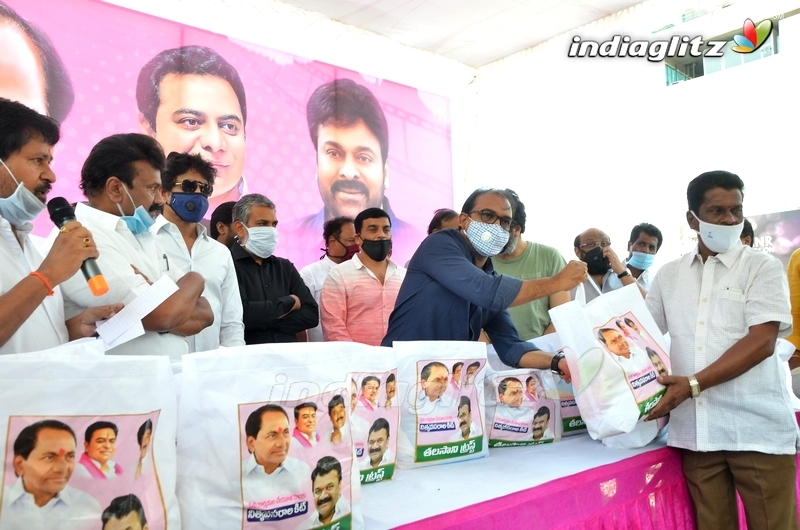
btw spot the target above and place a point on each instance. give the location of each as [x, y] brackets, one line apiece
[615, 352]
[556, 387]
[87, 437]
[375, 397]
[519, 411]
[442, 417]
[263, 438]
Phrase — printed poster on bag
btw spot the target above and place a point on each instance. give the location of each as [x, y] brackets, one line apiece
[295, 463]
[81, 473]
[639, 358]
[523, 414]
[374, 417]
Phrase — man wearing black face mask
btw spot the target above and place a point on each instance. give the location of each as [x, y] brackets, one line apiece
[187, 182]
[339, 234]
[606, 271]
[359, 295]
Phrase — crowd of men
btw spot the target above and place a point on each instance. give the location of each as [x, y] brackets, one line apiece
[723, 304]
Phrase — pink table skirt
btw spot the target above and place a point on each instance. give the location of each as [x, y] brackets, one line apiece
[644, 492]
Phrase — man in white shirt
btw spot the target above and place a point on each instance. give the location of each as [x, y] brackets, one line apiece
[633, 360]
[339, 234]
[540, 429]
[100, 445]
[434, 378]
[31, 304]
[378, 445]
[466, 427]
[187, 182]
[724, 306]
[269, 472]
[121, 179]
[370, 386]
[606, 271]
[331, 505]
[336, 412]
[643, 246]
[44, 459]
[510, 409]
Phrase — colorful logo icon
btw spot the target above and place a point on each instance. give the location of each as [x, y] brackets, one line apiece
[752, 36]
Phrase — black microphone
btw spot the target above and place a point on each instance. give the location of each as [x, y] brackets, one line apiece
[61, 213]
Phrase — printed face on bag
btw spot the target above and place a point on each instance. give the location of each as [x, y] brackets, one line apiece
[615, 342]
[658, 364]
[391, 389]
[271, 445]
[49, 466]
[353, 396]
[377, 442]
[531, 386]
[464, 420]
[338, 416]
[369, 389]
[510, 392]
[434, 379]
[456, 379]
[540, 422]
[327, 490]
[129, 521]
[306, 420]
[102, 446]
[471, 369]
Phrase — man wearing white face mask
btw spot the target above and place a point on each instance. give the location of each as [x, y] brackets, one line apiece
[276, 302]
[643, 246]
[121, 179]
[31, 304]
[724, 306]
[451, 290]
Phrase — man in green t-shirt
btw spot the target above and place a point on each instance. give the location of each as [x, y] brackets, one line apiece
[527, 260]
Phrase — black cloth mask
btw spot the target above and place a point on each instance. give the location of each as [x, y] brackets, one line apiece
[377, 250]
[596, 263]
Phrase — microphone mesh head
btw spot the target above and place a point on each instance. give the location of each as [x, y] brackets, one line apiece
[60, 210]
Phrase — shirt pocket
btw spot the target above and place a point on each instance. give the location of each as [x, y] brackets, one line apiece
[729, 311]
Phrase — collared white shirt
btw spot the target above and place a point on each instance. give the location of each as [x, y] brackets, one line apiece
[291, 477]
[355, 306]
[71, 509]
[341, 509]
[386, 459]
[707, 308]
[459, 436]
[547, 435]
[213, 261]
[522, 414]
[443, 406]
[610, 283]
[345, 431]
[45, 327]
[644, 280]
[314, 276]
[119, 249]
[637, 363]
[81, 470]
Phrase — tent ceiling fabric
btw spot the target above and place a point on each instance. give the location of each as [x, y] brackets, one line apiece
[473, 32]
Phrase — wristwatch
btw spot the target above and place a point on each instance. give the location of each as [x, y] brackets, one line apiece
[695, 386]
[624, 273]
[554, 363]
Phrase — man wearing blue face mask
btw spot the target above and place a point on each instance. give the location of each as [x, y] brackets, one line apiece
[31, 304]
[276, 303]
[187, 183]
[643, 246]
[121, 179]
[725, 305]
[451, 290]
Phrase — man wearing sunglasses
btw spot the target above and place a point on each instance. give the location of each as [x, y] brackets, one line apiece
[121, 179]
[187, 183]
[451, 290]
[606, 272]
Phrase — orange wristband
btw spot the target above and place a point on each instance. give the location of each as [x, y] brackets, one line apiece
[44, 281]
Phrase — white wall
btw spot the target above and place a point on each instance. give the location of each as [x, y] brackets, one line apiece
[603, 142]
[313, 36]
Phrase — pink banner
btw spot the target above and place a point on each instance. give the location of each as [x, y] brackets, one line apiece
[254, 130]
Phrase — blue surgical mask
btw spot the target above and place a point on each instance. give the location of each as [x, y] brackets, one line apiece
[487, 240]
[641, 260]
[190, 207]
[140, 221]
[22, 206]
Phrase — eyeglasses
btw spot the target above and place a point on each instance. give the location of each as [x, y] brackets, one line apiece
[589, 245]
[190, 186]
[489, 217]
